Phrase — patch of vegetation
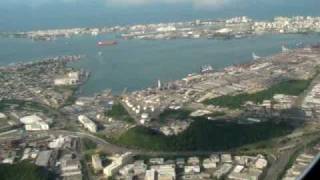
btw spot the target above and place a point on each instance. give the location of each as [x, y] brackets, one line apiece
[27, 105]
[216, 114]
[111, 178]
[118, 112]
[204, 135]
[168, 114]
[296, 153]
[68, 89]
[291, 87]
[70, 100]
[88, 144]
[24, 170]
[84, 168]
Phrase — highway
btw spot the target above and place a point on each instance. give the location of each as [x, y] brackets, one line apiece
[108, 147]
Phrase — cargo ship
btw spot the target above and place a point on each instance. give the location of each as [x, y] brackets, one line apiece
[107, 43]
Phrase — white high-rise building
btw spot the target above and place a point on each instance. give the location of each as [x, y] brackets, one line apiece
[159, 84]
[87, 123]
[96, 162]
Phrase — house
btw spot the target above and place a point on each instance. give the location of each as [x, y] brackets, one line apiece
[226, 158]
[190, 169]
[209, 163]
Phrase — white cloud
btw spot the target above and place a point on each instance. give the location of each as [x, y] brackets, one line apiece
[34, 3]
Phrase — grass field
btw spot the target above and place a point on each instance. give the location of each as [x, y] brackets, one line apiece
[118, 112]
[27, 105]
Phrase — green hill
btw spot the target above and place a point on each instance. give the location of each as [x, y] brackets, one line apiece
[204, 135]
[24, 171]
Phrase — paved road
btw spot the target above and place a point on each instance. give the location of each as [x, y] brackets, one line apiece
[108, 147]
[280, 165]
[302, 96]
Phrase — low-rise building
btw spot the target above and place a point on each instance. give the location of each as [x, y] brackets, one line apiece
[71, 78]
[9, 160]
[34, 123]
[215, 158]
[58, 142]
[2, 116]
[194, 160]
[226, 158]
[139, 167]
[82, 101]
[37, 126]
[70, 168]
[43, 158]
[116, 164]
[156, 160]
[223, 170]
[261, 163]
[209, 163]
[166, 172]
[190, 169]
[254, 173]
[150, 175]
[126, 170]
[30, 119]
[244, 160]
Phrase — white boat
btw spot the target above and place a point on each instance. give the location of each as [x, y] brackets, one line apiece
[206, 69]
[285, 49]
[255, 57]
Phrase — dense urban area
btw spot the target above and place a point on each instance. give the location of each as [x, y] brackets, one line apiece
[238, 27]
[258, 120]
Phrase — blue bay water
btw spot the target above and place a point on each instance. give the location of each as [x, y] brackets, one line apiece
[137, 64]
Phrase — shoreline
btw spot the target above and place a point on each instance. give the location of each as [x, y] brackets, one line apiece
[233, 28]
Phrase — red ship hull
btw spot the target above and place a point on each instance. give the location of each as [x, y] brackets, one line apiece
[107, 43]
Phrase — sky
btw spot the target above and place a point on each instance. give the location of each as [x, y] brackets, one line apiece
[194, 3]
[202, 4]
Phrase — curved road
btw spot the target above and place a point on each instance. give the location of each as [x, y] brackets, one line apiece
[108, 147]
